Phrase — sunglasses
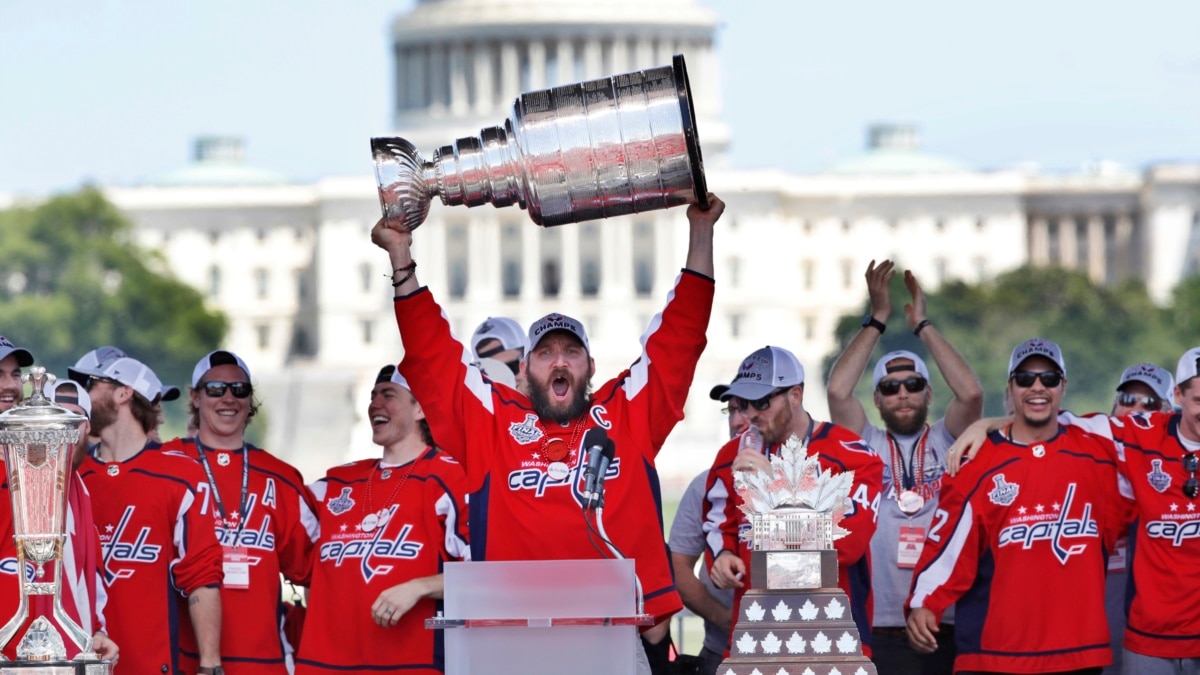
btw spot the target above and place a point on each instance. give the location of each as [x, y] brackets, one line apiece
[892, 387]
[1131, 400]
[737, 405]
[1025, 378]
[217, 389]
[1191, 487]
[93, 380]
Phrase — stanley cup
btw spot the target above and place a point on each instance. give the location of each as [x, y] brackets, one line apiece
[597, 149]
[37, 439]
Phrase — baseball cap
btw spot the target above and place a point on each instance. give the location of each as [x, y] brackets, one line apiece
[1156, 378]
[213, 359]
[881, 366]
[170, 393]
[1189, 366]
[70, 391]
[763, 372]
[392, 374]
[93, 362]
[507, 331]
[1036, 347]
[133, 373]
[560, 322]
[24, 357]
[497, 371]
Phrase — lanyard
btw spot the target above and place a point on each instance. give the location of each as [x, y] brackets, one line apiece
[909, 479]
[212, 481]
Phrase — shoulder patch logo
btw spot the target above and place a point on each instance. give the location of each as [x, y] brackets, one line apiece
[527, 431]
[1005, 493]
[1159, 480]
[341, 503]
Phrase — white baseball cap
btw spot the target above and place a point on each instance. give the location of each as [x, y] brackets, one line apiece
[220, 357]
[557, 322]
[1189, 366]
[392, 374]
[763, 372]
[882, 370]
[70, 391]
[1036, 347]
[1150, 374]
[503, 329]
[93, 362]
[133, 373]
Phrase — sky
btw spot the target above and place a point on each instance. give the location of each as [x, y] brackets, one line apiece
[110, 92]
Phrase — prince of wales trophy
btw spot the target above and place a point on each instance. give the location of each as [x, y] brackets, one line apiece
[794, 620]
[37, 439]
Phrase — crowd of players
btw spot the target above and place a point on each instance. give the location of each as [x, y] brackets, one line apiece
[483, 456]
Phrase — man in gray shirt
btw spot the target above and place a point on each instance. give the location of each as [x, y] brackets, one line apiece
[914, 458]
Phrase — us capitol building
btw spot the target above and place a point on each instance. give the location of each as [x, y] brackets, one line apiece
[310, 309]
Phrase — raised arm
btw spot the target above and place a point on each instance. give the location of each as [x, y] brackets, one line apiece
[700, 239]
[967, 404]
[844, 409]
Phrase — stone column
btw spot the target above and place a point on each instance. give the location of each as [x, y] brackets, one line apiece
[510, 70]
[537, 65]
[616, 246]
[1097, 263]
[568, 292]
[459, 99]
[485, 87]
[483, 256]
[566, 61]
[1039, 242]
[531, 264]
[592, 59]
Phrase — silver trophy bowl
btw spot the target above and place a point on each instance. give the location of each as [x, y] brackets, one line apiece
[585, 151]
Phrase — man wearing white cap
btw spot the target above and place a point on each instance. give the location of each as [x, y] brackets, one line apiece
[158, 547]
[260, 510]
[1035, 516]
[530, 453]
[93, 363]
[500, 339]
[913, 453]
[12, 360]
[770, 388]
[387, 526]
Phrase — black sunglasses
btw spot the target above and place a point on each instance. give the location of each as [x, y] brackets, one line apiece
[1191, 486]
[1131, 400]
[760, 405]
[1025, 378]
[217, 389]
[892, 387]
[93, 380]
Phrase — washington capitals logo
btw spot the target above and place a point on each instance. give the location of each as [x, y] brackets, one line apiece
[1005, 492]
[1159, 480]
[374, 550]
[858, 446]
[1055, 531]
[525, 432]
[485, 327]
[117, 550]
[1141, 420]
[341, 503]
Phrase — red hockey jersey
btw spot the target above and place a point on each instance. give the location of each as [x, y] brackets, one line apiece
[156, 548]
[1021, 541]
[839, 450]
[83, 595]
[520, 512]
[269, 538]
[424, 526]
[1163, 618]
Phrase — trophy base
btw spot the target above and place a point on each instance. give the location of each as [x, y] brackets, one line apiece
[63, 667]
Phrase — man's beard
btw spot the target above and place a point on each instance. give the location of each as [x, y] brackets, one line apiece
[905, 427]
[539, 396]
[104, 414]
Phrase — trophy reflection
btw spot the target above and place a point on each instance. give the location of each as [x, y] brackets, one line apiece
[37, 439]
[596, 149]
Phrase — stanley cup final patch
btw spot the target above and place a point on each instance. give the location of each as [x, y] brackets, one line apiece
[1005, 493]
[1159, 480]
[526, 431]
[341, 503]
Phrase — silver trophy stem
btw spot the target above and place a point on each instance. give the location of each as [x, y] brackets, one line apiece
[596, 149]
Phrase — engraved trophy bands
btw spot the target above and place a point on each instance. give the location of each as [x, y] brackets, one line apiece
[584, 151]
[37, 439]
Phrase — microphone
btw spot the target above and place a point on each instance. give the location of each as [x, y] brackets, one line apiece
[594, 440]
[606, 457]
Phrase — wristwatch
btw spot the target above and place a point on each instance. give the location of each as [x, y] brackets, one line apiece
[210, 670]
[874, 323]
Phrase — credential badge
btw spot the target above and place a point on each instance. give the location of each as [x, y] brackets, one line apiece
[341, 503]
[1005, 493]
[527, 431]
[1159, 480]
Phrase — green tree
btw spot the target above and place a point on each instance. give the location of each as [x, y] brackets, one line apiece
[73, 279]
[1101, 330]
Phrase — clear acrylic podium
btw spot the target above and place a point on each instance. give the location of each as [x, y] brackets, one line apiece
[540, 616]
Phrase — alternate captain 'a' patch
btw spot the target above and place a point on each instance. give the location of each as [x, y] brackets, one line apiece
[1159, 480]
[1005, 493]
[341, 503]
[526, 431]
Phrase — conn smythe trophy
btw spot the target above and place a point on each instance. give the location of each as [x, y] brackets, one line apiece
[794, 620]
[595, 149]
[37, 439]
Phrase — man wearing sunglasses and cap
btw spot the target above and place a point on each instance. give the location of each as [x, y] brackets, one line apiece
[501, 340]
[770, 388]
[158, 544]
[259, 508]
[1022, 535]
[913, 453]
